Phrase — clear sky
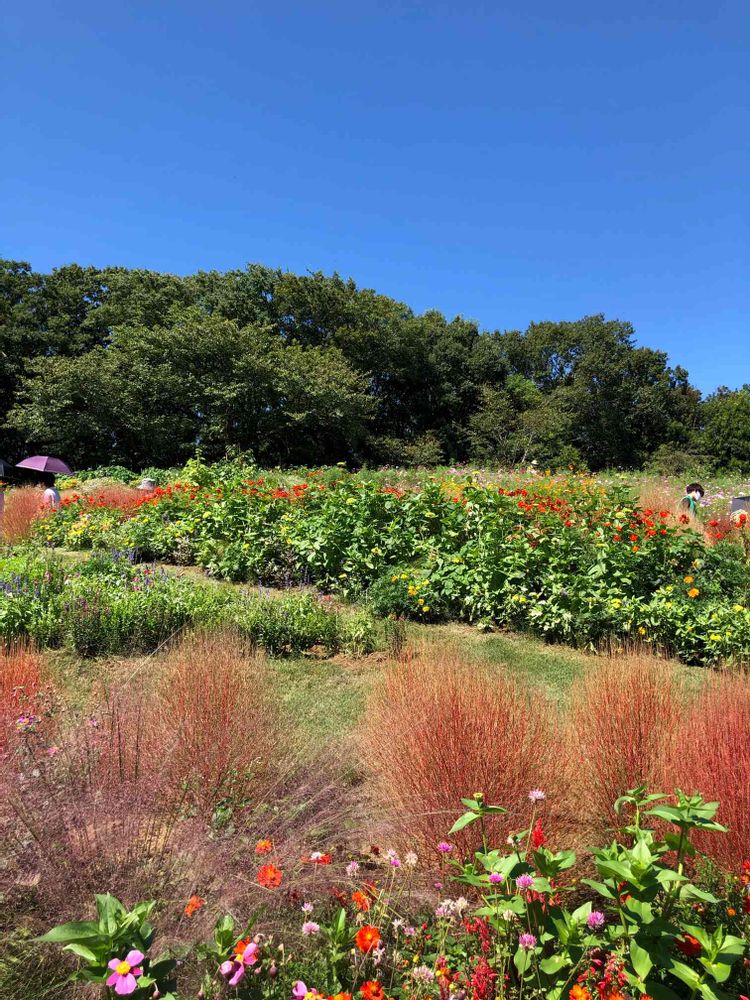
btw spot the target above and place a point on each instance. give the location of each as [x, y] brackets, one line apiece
[509, 161]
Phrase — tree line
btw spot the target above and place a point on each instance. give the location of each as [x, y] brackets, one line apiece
[135, 367]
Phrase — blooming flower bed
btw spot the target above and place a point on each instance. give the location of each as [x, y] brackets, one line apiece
[564, 557]
[512, 920]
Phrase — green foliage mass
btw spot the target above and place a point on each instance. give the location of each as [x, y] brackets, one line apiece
[136, 368]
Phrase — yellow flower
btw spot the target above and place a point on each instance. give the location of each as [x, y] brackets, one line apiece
[714, 637]
[688, 579]
[426, 607]
[693, 592]
[641, 630]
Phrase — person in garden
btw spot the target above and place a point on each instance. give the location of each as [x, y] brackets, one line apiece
[51, 496]
[690, 503]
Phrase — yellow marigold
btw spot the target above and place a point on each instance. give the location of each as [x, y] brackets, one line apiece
[688, 579]
[693, 592]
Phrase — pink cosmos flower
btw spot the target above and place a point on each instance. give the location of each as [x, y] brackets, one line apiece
[233, 970]
[125, 971]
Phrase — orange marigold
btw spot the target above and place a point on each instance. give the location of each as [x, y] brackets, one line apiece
[579, 993]
[264, 847]
[193, 905]
[693, 592]
[367, 938]
[269, 876]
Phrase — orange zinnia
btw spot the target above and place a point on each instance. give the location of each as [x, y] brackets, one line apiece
[269, 876]
[193, 905]
[367, 938]
[341, 996]
[693, 592]
[361, 901]
[264, 847]
[579, 993]
[372, 990]
[241, 945]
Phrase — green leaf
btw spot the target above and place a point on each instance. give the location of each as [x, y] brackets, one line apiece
[83, 952]
[552, 965]
[684, 973]
[82, 930]
[641, 959]
[462, 821]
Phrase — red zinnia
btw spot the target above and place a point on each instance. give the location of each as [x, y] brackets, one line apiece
[689, 945]
[269, 876]
[367, 938]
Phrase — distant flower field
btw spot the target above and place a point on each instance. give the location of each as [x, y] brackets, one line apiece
[567, 557]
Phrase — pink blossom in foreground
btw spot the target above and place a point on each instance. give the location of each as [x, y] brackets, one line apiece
[125, 971]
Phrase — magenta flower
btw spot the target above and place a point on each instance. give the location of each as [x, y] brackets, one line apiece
[524, 881]
[496, 878]
[300, 991]
[527, 941]
[124, 972]
[595, 920]
[444, 847]
[233, 970]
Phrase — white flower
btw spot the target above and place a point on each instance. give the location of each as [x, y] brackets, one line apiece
[411, 859]
[352, 868]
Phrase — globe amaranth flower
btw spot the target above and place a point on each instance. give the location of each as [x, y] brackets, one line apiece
[444, 847]
[233, 970]
[352, 868]
[524, 881]
[496, 878]
[595, 920]
[125, 971]
[309, 928]
[536, 795]
[423, 974]
[526, 941]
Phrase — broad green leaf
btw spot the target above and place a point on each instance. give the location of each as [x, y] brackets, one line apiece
[641, 959]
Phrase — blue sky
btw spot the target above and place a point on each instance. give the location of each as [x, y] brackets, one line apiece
[509, 162]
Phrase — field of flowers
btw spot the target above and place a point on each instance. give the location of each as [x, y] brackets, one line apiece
[287, 778]
[568, 558]
[178, 835]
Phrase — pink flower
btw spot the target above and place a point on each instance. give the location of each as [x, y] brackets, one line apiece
[233, 970]
[595, 919]
[496, 878]
[536, 795]
[444, 847]
[527, 941]
[124, 972]
[524, 881]
[310, 927]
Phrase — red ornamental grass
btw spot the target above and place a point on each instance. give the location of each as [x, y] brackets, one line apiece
[22, 508]
[20, 679]
[711, 754]
[623, 717]
[439, 728]
[216, 721]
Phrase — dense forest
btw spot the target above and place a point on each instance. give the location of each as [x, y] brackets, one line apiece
[105, 366]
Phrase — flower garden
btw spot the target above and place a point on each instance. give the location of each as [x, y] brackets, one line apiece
[266, 735]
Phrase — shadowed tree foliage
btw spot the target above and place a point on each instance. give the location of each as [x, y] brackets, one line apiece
[136, 367]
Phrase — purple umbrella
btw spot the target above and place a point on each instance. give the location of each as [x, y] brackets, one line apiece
[44, 463]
